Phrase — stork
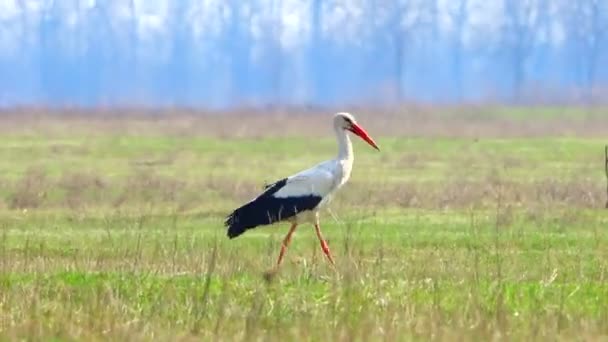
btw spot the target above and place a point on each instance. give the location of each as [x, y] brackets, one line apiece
[298, 198]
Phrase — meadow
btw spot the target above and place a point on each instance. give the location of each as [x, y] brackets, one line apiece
[470, 224]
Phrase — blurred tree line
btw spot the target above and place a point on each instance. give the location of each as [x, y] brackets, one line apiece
[217, 53]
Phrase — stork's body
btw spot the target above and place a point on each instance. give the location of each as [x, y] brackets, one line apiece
[298, 198]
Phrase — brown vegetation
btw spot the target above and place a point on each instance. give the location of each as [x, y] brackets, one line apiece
[77, 190]
[412, 120]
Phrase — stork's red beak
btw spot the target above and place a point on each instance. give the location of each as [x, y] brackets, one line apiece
[358, 130]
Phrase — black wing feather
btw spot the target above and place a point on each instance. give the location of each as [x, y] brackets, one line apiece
[267, 209]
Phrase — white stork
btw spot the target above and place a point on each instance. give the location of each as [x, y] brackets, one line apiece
[298, 198]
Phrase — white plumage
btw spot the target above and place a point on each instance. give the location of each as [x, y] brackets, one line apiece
[319, 180]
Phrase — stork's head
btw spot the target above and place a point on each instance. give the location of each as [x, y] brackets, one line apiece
[347, 122]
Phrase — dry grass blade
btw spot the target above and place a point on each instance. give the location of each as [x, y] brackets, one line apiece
[606, 167]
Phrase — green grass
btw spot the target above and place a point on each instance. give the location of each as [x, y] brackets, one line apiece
[120, 237]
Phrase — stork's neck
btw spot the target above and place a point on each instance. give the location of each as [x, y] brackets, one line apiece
[345, 147]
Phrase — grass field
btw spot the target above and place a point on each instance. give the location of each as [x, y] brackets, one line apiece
[473, 229]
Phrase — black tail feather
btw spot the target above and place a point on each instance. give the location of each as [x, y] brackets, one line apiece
[265, 210]
[234, 227]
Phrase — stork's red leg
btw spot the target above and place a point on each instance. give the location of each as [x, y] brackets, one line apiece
[286, 242]
[324, 245]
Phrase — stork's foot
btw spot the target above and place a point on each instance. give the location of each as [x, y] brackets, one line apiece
[324, 245]
[327, 252]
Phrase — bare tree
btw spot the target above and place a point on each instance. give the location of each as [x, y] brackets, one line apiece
[272, 52]
[316, 50]
[459, 17]
[587, 25]
[98, 51]
[237, 44]
[129, 59]
[179, 65]
[524, 21]
[48, 59]
[25, 60]
[402, 21]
